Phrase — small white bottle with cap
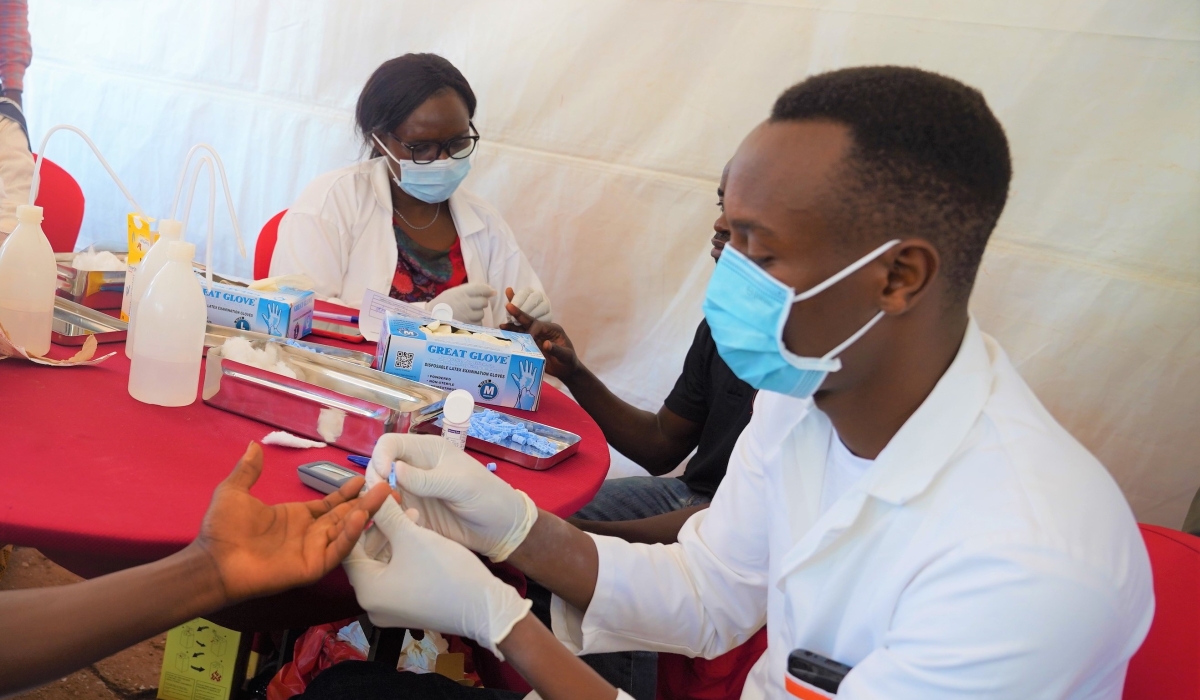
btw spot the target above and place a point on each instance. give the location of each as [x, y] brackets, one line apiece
[168, 230]
[456, 417]
[165, 369]
[28, 280]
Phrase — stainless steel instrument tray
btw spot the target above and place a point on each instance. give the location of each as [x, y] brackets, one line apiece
[73, 323]
[94, 289]
[215, 336]
[371, 403]
[566, 442]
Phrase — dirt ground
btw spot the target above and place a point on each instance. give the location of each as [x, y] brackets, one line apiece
[129, 675]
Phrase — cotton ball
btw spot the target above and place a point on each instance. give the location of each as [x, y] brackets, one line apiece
[330, 423]
[241, 350]
[92, 261]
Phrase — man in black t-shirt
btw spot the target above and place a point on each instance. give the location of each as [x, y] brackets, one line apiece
[706, 411]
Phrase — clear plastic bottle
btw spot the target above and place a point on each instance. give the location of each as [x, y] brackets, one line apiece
[28, 280]
[456, 417]
[168, 230]
[165, 369]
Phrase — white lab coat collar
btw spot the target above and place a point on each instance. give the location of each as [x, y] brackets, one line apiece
[905, 468]
[466, 220]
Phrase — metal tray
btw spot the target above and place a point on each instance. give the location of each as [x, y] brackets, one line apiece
[372, 403]
[73, 323]
[567, 442]
[215, 336]
[94, 289]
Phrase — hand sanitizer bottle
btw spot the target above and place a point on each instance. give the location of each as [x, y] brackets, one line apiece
[28, 279]
[168, 230]
[165, 369]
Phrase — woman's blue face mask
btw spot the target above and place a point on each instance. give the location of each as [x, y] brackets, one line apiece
[746, 310]
[429, 182]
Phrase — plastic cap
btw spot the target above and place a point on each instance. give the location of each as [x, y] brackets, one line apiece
[459, 406]
[29, 214]
[170, 229]
[179, 250]
[442, 312]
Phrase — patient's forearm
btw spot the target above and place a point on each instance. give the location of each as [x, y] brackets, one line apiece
[49, 632]
[560, 557]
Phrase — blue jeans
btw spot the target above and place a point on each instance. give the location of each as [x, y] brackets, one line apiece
[636, 497]
[627, 498]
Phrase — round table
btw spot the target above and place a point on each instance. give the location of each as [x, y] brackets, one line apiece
[100, 482]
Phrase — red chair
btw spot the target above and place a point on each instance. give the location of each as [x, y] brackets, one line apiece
[61, 200]
[265, 246]
[1167, 667]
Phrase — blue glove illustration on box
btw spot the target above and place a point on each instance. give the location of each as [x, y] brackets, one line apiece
[272, 314]
[526, 383]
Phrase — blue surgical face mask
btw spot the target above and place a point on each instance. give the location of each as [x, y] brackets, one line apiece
[429, 182]
[746, 309]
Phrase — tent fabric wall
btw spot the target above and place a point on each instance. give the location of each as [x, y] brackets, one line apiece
[606, 125]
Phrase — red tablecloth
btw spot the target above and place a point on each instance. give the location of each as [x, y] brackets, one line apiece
[100, 482]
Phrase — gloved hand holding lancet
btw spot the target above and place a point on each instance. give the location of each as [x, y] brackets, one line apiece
[456, 495]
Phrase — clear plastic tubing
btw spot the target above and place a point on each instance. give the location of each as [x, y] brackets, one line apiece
[165, 369]
[456, 417]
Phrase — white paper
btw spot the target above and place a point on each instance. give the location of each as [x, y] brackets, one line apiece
[371, 313]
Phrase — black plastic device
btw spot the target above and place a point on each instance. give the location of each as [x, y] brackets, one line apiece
[816, 670]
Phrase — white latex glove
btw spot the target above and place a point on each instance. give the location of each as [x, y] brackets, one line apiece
[457, 496]
[468, 301]
[533, 302]
[432, 583]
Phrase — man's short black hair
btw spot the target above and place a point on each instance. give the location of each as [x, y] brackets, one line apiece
[929, 159]
[400, 85]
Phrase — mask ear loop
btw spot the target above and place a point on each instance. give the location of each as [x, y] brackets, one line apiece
[846, 272]
[387, 162]
[854, 267]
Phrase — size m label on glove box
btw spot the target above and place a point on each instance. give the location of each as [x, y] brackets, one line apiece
[498, 367]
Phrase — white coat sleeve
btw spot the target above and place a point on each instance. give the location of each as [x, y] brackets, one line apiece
[16, 173]
[1000, 623]
[311, 245]
[702, 596]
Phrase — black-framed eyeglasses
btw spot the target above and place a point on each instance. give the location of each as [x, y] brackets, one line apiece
[458, 148]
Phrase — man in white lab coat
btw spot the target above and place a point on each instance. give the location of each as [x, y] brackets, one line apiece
[900, 503]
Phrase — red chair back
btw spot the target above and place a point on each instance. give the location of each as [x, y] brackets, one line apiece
[1168, 664]
[61, 200]
[265, 246]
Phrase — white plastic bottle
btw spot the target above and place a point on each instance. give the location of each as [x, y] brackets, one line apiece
[456, 417]
[168, 230]
[28, 279]
[165, 369]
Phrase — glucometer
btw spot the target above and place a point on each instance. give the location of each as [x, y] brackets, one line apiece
[325, 477]
[808, 672]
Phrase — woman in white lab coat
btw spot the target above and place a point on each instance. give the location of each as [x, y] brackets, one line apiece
[398, 223]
